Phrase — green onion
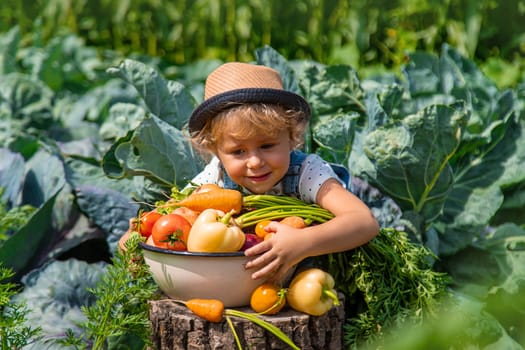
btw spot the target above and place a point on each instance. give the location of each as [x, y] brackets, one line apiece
[271, 207]
[262, 323]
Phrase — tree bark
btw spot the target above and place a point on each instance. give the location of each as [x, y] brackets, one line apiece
[176, 328]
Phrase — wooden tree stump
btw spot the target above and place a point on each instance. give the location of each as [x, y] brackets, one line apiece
[177, 328]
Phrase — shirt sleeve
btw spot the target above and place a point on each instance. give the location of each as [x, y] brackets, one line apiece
[210, 174]
[314, 173]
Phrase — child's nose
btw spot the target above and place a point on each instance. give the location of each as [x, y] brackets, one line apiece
[254, 161]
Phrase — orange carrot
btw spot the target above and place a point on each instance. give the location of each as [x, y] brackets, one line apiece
[209, 309]
[125, 236]
[122, 241]
[294, 221]
[207, 188]
[222, 199]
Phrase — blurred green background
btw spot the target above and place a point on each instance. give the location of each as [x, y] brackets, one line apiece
[370, 35]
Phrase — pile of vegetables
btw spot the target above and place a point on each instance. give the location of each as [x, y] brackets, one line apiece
[211, 219]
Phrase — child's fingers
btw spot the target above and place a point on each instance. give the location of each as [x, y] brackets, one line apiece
[268, 270]
[273, 227]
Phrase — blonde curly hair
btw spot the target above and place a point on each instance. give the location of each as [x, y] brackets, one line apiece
[251, 120]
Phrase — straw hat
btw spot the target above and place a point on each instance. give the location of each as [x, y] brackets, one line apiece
[236, 82]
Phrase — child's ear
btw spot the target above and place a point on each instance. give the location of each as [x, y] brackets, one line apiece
[291, 141]
[294, 144]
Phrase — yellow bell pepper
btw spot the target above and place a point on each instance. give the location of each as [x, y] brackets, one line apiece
[215, 232]
[312, 292]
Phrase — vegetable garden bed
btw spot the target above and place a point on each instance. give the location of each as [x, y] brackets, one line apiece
[437, 151]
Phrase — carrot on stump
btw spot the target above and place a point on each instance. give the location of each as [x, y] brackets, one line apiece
[209, 309]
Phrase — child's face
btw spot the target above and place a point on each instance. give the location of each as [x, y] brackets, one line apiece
[257, 163]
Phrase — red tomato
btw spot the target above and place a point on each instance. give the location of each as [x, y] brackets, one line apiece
[146, 222]
[171, 232]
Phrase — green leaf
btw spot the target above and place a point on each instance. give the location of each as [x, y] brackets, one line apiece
[334, 136]
[461, 322]
[9, 43]
[21, 251]
[168, 100]
[331, 89]
[155, 150]
[108, 209]
[270, 57]
[93, 105]
[492, 270]
[63, 63]
[491, 265]
[11, 176]
[488, 122]
[55, 293]
[512, 208]
[45, 176]
[411, 157]
[510, 154]
[87, 171]
[452, 77]
[506, 245]
[382, 103]
[123, 117]
[428, 74]
[476, 194]
[28, 99]
[125, 342]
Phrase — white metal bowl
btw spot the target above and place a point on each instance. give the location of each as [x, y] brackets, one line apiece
[185, 275]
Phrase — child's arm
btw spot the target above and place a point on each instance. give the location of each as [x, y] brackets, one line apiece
[352, 226]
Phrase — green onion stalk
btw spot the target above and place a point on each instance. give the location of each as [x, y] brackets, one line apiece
[271, 207]
[260, 322]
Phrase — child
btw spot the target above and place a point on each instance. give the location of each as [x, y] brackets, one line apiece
[252, 128]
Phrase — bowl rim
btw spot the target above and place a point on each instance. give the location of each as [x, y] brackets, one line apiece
[149, 247]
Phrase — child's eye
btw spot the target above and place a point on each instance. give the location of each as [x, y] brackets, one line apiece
[237, 152]
[267, 145]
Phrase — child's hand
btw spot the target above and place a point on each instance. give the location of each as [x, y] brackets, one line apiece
[279, 253]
